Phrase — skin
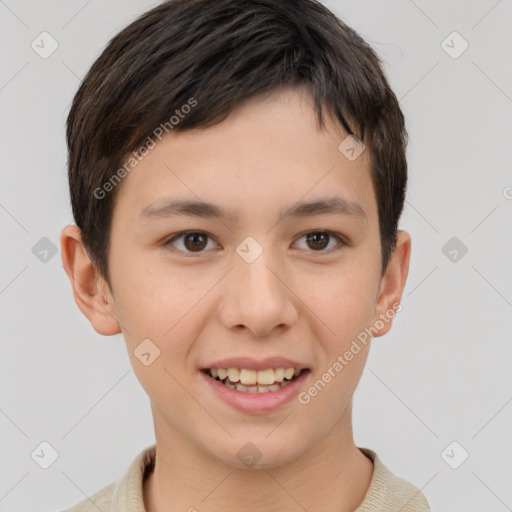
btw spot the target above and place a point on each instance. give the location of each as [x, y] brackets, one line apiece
[297, 300]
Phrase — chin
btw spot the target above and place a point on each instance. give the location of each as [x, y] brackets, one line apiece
[259, 452]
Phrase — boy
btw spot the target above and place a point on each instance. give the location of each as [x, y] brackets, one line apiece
[265, 132]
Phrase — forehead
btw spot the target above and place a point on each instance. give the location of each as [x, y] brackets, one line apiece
[269, 153]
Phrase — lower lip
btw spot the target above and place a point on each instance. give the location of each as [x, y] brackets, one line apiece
[256, 402]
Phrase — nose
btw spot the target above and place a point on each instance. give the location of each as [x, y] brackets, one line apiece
[258, 297]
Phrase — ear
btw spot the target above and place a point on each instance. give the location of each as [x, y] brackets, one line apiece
[90, 291]
[392, 285]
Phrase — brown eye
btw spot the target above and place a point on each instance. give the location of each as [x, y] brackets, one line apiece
[195, 241]
[191, 242]
[318, 241]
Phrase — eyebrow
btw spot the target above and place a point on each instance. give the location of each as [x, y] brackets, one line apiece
[176, 208]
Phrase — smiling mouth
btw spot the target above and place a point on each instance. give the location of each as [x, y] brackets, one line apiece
[251, 381]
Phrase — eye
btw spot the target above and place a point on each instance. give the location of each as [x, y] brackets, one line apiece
[193, 241]
[196, 241]
[319, 240]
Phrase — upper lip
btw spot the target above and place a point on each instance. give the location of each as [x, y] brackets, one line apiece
[256, 364]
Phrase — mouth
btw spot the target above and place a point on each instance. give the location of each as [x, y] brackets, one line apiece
[252, 381]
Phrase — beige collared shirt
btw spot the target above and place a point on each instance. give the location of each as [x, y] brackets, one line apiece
[386, 492]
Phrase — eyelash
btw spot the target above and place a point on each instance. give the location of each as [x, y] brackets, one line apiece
[341, 240]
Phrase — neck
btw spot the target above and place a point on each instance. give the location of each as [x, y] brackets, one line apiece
[185, 478]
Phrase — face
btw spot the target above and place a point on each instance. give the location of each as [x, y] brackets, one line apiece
[252, 283]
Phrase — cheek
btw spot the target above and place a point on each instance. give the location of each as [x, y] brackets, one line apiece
[163, 305]
[342, 299]
[160, 309]
[344, 309]
[151, 296]
[347, 317]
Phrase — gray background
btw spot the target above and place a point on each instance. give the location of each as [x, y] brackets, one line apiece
[441, 375]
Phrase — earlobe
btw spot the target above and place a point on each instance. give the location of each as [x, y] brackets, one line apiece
[88, 288]
[392, 285]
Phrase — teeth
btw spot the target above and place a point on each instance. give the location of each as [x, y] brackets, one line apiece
[288, 373]
[233, 374]
[256, 389]
[279, 374]
[246, 378]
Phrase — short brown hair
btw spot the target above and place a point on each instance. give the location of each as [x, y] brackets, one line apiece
[220, 53]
